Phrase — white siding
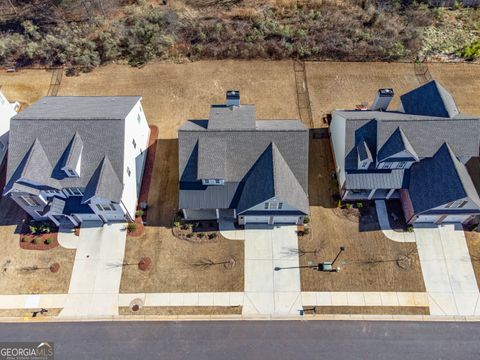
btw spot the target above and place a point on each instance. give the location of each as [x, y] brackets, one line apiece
[261, 206]
[7, 111]
[337, 136]
[134, 157]
[469, 206]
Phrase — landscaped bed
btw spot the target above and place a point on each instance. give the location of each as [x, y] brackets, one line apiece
[36, 235]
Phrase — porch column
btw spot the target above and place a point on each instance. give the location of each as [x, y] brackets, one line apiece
[52, 218]
[185, 214]
[371, 194]
[345, 195]
[390, 193]
[234, 213]
[218, 213]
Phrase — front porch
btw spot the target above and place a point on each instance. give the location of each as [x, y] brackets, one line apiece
[370, 194]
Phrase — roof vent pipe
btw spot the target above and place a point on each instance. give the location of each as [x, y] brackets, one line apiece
[233, 98]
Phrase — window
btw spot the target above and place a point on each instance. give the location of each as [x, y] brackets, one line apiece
[401, 164]
[29, 201]
[464, 202]
[213, 182]
[274, 206]
[109, 207]
[139, 118]
[51, 192]
[128, 171]
[134, 144]
[2, 146]
[386, 165]
[74, 191]
[71, 172]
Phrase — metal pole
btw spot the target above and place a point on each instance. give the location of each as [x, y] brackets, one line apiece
[342, 248]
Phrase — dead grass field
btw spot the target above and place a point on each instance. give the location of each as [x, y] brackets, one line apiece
[370, 310]
[13, 278]
[182, 310]
[173, 268]
[368, 263]
[342, 85]
[473, 243]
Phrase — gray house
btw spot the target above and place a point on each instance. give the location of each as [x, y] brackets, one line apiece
[237, 167]
[416, 153]
[78, 158]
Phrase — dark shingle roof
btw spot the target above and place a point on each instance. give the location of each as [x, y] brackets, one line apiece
[55, 122]
[430, 99]
[79, 107]
[439, 180]
[104, 183]
[201, 149]
[224, 117]
[375, 179]
[363, 151]
[74, 152]
[396, 143]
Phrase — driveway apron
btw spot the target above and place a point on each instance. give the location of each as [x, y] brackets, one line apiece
[268, 291]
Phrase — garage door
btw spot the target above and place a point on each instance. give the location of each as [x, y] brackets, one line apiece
[256, 219]
[285, 219]
[427, 218]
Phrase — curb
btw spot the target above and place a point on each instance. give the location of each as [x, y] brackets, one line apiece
[307, 317]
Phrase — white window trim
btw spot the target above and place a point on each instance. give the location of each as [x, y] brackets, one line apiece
[109, 207]
[213, 181]
[29, 200]
[72, 192]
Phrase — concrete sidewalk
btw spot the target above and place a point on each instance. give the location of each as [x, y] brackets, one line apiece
[268, 291]
[97, 270]
[447, 270]
[364, 299]
[382, 216]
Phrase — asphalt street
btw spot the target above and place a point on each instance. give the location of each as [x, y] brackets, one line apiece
[277, 340]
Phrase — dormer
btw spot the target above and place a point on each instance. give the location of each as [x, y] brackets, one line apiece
[396, 152]
[73, 160]
[364, 156]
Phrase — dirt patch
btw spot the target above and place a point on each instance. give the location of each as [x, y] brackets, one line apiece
[136, 228]
[28, 313]
[174, 269]
[182, 310]
[473, 243]
[370, 262]
[369, 310]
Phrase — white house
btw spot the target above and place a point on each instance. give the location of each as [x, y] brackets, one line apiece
[7, 111]
[78, 158]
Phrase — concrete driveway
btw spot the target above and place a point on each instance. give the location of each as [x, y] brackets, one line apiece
[97, 270]
[447, 270]
[268, 291]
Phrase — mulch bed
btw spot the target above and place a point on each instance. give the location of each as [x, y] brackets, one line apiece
[192, 234]
[28, 242]
[145, 263]
[140, 229]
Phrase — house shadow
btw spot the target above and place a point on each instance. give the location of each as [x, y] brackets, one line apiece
[163, 185]
[322, 183]
[368, 219]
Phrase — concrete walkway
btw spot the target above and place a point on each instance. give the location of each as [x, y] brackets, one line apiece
[447, 270]
[228, 231]
[268, 291]
[97, 270]
[382, 215]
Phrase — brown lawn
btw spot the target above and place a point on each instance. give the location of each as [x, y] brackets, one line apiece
[15, 278]
[473, 243]
[369, 262]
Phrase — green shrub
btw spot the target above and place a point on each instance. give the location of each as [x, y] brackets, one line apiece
[201, 234]
[306, 219]
[212, 236]
[348, 206]
[359, 205]
[471, 51]
[410, 228]
[33, 229]
[131, 227]
[48, 241]
[177, 224]
[306, 231]
[189, 235]
[139, 213]
[37, 240]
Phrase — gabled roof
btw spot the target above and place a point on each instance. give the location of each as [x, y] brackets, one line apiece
[104, 183]
[363, 151]
[66, 127]
[430, 99]
[223, 117]
[271, 177]
[74, 152]
[439, 180]
[396, 143]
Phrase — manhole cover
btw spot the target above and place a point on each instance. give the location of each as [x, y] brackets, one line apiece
[136, 304]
